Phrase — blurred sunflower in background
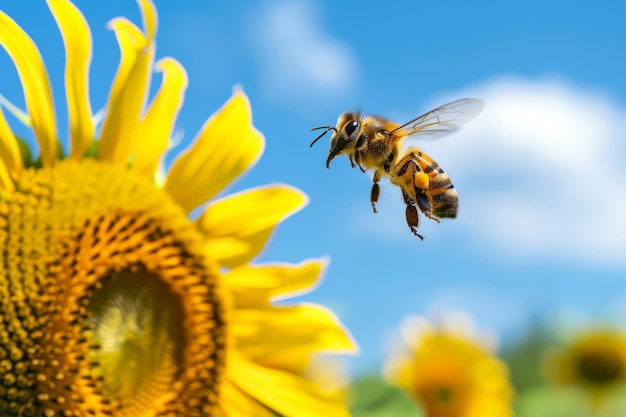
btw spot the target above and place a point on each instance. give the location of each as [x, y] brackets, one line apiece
[449, 369]
[112, 300]
[593, 361]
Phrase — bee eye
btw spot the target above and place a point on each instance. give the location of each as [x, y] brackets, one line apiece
[351, 127]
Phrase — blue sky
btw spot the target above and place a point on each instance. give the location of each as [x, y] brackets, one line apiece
[541, 173]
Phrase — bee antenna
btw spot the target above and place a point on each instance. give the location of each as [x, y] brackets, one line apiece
[323, 133]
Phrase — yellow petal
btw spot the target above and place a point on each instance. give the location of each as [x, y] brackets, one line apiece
[238, 226]
[288, 394]
[283, 337]
[257, 285]
[15, 111]
[128, 93]
[226, 146]
[149, 18]
[6, 183]
[11, 163]
[77, 40]
[235, 403]
[130, 40]
[155, 129]
[37, 92]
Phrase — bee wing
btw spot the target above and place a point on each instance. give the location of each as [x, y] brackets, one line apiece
[442, 120]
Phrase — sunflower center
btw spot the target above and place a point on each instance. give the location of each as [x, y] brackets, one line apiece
[600, 367]
[136, 326]
[109, 306]
[444, 394]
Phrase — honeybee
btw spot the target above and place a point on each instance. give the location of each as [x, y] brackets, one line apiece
[375, 143]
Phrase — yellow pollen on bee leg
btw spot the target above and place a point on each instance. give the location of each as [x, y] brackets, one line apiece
[421, 181]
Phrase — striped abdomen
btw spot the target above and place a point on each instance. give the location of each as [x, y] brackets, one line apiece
[441, 194]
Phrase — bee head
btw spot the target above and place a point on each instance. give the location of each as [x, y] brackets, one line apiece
[344, 138]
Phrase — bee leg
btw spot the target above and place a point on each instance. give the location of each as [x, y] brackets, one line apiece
[375, 191]
[374, 196]
[352, 162]
[432, 217]
[423, 202]
[412, 217]
[357, 159]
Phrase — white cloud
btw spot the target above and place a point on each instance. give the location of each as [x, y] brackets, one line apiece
[296, 56]
[542, 171]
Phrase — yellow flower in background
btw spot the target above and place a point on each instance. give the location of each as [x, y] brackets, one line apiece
[114, 302]
[449, 370]
[594, 360]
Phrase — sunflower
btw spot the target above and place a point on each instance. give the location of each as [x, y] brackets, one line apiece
[594, 360]
[113, 301]
[449, 371]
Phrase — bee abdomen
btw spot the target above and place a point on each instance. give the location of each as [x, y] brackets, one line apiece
[445, 202]
[444, 197]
